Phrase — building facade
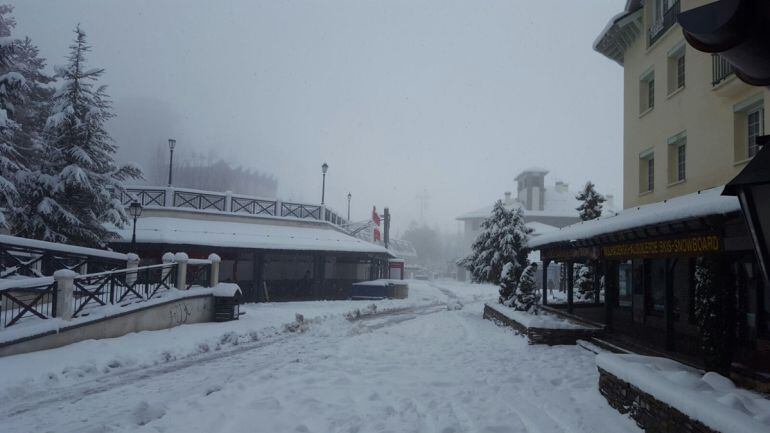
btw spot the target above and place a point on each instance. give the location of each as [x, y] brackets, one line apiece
[689, 123]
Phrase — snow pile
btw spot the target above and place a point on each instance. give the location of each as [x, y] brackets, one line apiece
[709, 398]
[540, 320]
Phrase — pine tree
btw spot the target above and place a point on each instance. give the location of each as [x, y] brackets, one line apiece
[86, 181]
[483, 251]
[513, 251]
[584, 281]
[525, 296]
[715, 312]
[508, 283]
[591, 206]
[11, 88]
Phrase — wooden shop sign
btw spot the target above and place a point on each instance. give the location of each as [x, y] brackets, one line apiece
[692, 245]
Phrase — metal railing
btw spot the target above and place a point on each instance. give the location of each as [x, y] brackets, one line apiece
[28, 299]
[123, 287]
[721, 69]
[155, 197]
[20, 257]
[660, 25]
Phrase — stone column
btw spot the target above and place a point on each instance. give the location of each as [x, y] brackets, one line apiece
[228, 201]
[131, 263]
[65, 284]
[214, 275]
[181, 270]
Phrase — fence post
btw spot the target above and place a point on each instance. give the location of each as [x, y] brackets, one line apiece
[65, 284]
[278, 211]
[214, 277]
[132, 262]
[228, 201]
[181, 270]
[169, 196]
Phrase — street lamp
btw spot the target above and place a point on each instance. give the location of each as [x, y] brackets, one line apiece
[324, 169]
[349, 197]
[135, 210]
[171, 146]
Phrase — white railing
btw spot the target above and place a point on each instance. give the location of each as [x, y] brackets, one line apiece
[227, 202]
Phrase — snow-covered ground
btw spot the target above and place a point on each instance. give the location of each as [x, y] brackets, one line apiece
[429, 363]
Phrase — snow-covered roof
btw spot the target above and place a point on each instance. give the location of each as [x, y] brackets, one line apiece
[307, 237]
[539, 228]
[556, 204]
[620, 32]
[698, 204]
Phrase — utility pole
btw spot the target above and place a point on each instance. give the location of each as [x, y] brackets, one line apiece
[386, 227]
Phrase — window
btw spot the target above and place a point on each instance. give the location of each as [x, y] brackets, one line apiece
[755, 120]
[647, 92]
[676, 67]
[677, 158]
[655, 281]
[646, 171]
[625, 284]
[749, 123]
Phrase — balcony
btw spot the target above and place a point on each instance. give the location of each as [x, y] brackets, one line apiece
[661, 24]
[721, 69]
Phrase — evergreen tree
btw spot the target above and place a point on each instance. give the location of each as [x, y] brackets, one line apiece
[483, 251]
[591, 206]
[11, 87]
[584, 281]
[508, 283]
[513, 251]
[715, 312]
[86, 183]
[525, 296]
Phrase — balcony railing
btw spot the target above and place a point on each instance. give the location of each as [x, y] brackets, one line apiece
[660, 25]
[721, 69]
[223, 202]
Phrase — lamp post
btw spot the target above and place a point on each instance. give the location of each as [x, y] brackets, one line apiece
[324, 169]
[135, 210]
[349, 197]
[171, 146]
[752, 186]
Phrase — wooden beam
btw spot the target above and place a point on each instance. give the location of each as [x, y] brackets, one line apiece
[545, 282]
[570, 288]
[669, 304]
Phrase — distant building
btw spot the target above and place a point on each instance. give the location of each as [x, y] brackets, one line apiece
[545, 208]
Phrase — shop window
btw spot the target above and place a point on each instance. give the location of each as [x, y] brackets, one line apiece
[625, 284]
[655, 280]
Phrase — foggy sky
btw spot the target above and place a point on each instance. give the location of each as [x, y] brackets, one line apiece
[450, 98]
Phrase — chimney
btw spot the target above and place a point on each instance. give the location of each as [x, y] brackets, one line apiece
[507, 197]
[561, 186]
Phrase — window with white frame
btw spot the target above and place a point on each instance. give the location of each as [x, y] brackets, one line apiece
[749, 123]
[755, 127]
[647, 91]
[676, 67]
[677, 158]
[680, 71]
[646, 171]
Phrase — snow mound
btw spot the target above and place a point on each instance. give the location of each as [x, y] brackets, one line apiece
[454, 305]
[709, 398]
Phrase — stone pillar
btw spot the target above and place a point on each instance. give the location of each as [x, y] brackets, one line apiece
[278, 208]
[65, 284]
[169, 196]
[570, 286]
[168, 258]
[131, 263]
[228, 201]
[181, 270]
[214, 275]
[545, 281]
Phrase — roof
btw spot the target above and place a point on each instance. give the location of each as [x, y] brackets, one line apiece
[755, 173]
[539, 228]
[695, 205]
[537, 170]
[621, 30]
[556, 204]
[231, 234]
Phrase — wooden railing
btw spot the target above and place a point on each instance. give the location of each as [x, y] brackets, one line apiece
[210, 201]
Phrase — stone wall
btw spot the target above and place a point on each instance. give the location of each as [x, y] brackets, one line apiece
[650, 414]
[547, 336]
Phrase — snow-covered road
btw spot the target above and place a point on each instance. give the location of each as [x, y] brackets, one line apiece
[422, 367]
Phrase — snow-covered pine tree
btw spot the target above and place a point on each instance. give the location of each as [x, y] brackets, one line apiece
[512, 252]
[584, 281]
[591, 206]
[715, 312]
[11, 88]
[483, 251]
[87, 182]
[526, 291]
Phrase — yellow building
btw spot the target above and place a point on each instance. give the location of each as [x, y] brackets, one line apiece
[689, 123]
